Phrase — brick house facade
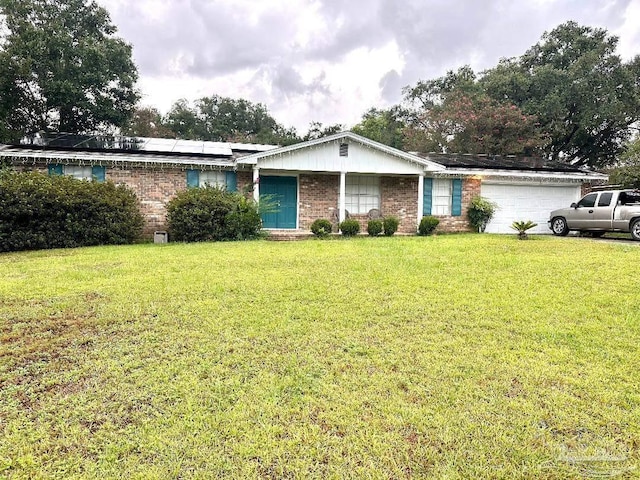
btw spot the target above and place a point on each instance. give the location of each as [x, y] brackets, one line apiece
[322, 173]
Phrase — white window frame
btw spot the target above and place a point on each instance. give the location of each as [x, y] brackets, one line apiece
[362, 193]
[81, 172]
[214, 178]
[441, 196]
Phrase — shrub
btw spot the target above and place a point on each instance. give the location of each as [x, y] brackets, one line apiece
[244, 222]
[350, 227]
[521, 227]
[427, 225]
[212, 214]
[374, 227]
[321, 227]
[390, 225]
[38, 211]
[481, 211]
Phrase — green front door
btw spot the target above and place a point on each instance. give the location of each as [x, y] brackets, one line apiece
[283, 193]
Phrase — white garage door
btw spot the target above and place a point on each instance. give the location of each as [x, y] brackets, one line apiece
[526, 202]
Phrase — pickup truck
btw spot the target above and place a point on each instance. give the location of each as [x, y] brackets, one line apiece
[600, 212]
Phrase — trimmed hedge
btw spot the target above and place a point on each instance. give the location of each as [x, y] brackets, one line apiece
[321, 227]
[350, 227]
[390, 225]
[38, 211]
[374, 227]
[427, 225]
[206, 214]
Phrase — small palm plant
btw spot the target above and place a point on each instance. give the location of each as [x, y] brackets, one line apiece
[521, 227]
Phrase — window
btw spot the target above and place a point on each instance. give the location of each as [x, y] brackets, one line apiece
[81, 173]
[605, 199]
[442, 197]
[344, 149]
[362, 193]
[588, 201]
[224, 178]
[95, 172]
[214, 179]
[627, 198]
[442, 190]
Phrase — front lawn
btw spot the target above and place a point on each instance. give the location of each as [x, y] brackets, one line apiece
[457, 356]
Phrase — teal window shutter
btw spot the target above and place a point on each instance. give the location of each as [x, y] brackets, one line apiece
[231, 181]
[456, 197]
[426, 196]
[55, 169]
[99, 173]
[193, 178]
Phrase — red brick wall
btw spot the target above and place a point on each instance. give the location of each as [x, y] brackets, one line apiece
[587, 187]
[399, 198]
[154, 189]
[320, 195]
[319, 198]
[245, 182]
[470, 189]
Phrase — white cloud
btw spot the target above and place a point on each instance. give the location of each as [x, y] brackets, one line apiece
[331, 60]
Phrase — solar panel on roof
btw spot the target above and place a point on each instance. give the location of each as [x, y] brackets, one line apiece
[145, 144]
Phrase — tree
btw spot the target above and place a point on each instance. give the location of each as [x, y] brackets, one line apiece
[453, 114]
[184, 122]
[585, 98]
[147, 122]
[224, 119]
[476, 124]
[63, 69]
[384, 126]
[427, 94]
[316, 130]
[627, 172]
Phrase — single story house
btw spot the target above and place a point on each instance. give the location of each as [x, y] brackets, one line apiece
[334, 177]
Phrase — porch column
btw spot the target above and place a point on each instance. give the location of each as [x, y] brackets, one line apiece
[256, 184]
[420, 197]
[343, 197]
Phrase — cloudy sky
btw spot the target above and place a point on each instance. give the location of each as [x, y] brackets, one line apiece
[331, 60]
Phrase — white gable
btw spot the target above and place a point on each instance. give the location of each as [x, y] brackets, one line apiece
[325, 157]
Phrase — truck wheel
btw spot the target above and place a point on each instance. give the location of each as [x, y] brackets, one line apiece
[559, 227]
[635, 229]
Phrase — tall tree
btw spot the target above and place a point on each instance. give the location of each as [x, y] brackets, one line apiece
[384, 126]
[585, 98]
[219, 119]
[474, 124]
[626, 172]
[147, 122]
[184, 122]
[317, 130]
[453, 114]
[63, 69]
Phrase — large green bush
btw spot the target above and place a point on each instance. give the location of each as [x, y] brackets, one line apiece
[212, 214]
[481, 211]
[38, 211]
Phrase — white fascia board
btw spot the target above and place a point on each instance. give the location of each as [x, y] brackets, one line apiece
[252, 147]
[526, 174]
[428, 164]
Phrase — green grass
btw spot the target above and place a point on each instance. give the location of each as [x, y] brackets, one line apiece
[457, 356]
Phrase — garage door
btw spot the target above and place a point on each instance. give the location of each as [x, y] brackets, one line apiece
[526, 202]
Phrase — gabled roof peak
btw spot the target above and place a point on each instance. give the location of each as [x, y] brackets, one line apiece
[340, 136]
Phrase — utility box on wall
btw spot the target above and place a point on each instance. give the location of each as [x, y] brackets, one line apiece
[160, 237]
